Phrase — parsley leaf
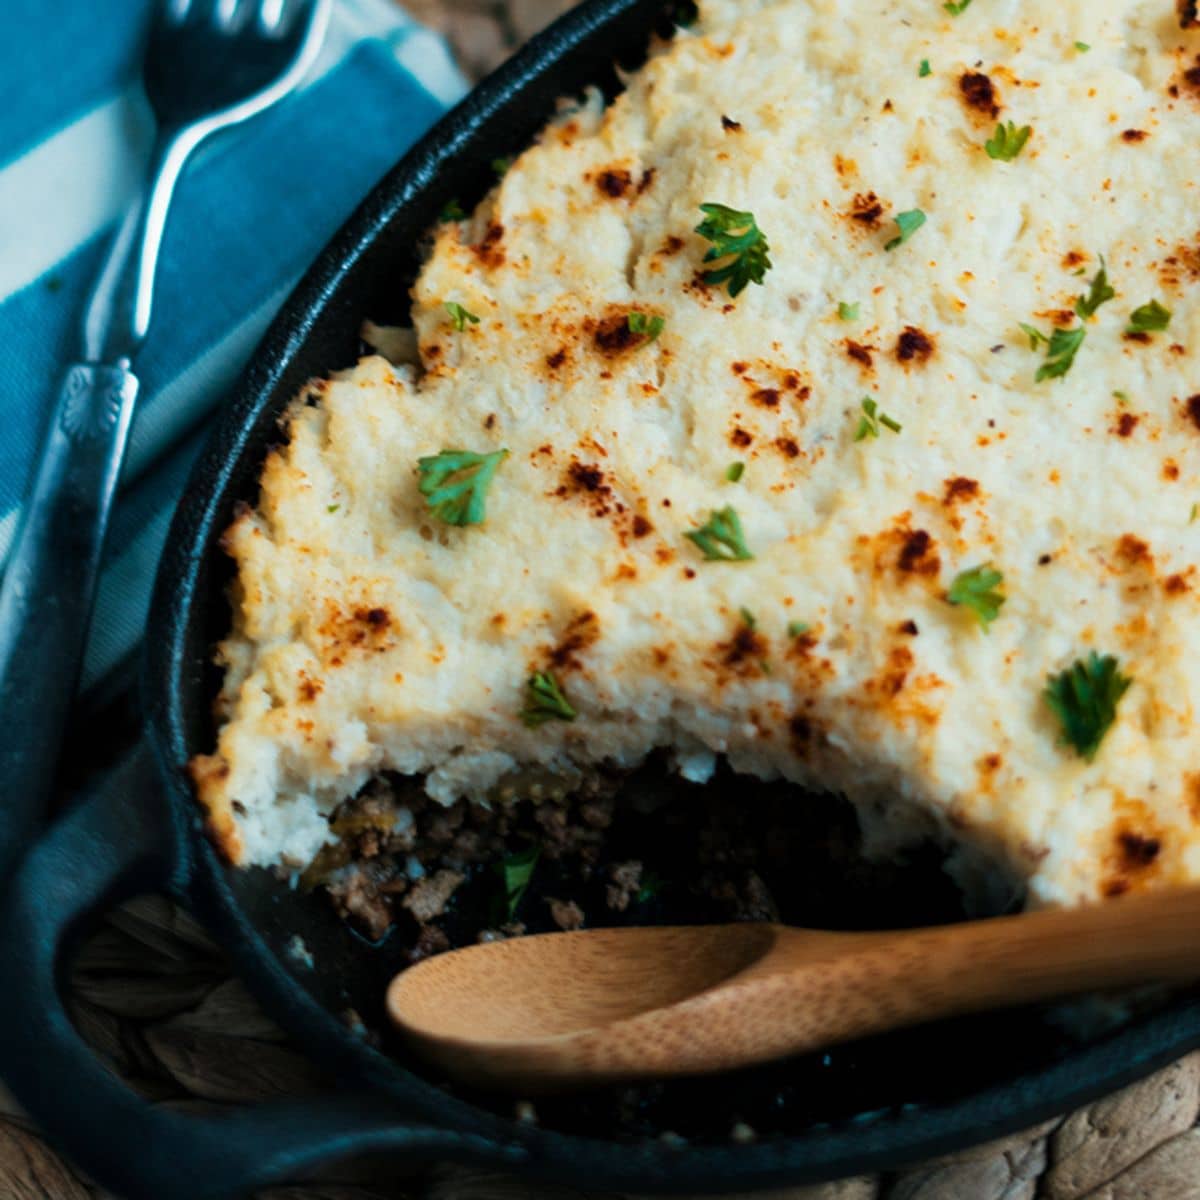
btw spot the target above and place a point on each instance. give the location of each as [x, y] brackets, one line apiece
[1121, 397]
[872, 419]
[500, 165]
[748, 618]
[976, 589]
[516, 870]
[459, 316]
[1084, 698]
[735, 471]
[798, 628]
[925, 70]
[907, 223]
[455, 482]
[451, 211]
[958, 9]
[648, 326]
[1063, 345]
[1082, 47]
[332, 508]
[848, 312]
[1099, 293]
[1150, 318]
[545, 701]
[736, 236]
[1008, 141]
[721, 539]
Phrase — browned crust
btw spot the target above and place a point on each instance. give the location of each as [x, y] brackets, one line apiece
[208, 773]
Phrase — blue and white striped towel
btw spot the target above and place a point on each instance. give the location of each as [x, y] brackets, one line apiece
[252, 211]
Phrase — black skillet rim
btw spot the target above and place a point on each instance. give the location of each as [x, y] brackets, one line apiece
[171, 674]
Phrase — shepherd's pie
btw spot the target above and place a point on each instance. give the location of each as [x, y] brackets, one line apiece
[829, 402]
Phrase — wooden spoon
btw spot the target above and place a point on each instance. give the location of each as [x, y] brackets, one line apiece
[564, 1010]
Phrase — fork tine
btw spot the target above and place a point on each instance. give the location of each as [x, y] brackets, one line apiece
[270, 16]
[175, 11]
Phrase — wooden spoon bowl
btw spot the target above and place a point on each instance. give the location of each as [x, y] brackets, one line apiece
[574, 1009]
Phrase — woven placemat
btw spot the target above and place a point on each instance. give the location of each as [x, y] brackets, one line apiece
[155, 998]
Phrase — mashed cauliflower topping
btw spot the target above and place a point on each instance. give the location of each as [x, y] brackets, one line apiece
[371, 635]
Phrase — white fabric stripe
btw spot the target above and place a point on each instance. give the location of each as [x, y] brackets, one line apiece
[176, 407]
[70, 187]
[77, 182]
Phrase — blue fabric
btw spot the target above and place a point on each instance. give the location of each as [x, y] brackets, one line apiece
[252, 210]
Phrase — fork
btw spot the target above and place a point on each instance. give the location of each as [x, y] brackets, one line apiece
[208, 65]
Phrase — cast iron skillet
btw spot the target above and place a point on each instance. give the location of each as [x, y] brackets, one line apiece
[143, 833]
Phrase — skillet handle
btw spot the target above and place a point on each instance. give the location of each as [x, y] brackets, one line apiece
[112, 846]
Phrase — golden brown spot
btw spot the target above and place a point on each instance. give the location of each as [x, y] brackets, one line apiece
[729, 124]
[767, 397]
[556, 360]
[918, 554]
[989, 764]
[866, 208]
[1189, 13]
[1170, 470]
[741, 438]
[641, 527]
[489, 251]
[1134, 552]
[1193, 410]
[959, 490]
[745, 651]
[979, 94]
[582, 632]
[613, 335]
[1133, 136]
[672, 245]
[859, 353]
[1180, 583]
[646, 180]
[894, 676]
[787, 446]
[309, 688]
[739, 368]
[909, 628]
[1126, 424]
[1074, 258]
[1191, 788]
[914, 346]
[489, 422]
[614, 182]
[1139, 336]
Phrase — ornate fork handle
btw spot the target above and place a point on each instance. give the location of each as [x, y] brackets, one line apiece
[46, 596]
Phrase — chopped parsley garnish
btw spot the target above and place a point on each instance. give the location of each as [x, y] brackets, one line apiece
[455, 483]
[956, 10]
[976, 589]
[652, 884]
[451, 211]
[735, 471]
[1099, 293]
[516, 870]
[459, 316]
[798, 629]
[748, 618]
[1085, 698]
[1063, 344]
[1082, 47]
[848, 312]
[1195, 514]
[1121, 397]
[500, 165]
[925, 70]
[332, 508]
[907, 223]
[545, 701]
[721, 539]
[1008, 141]
[1150, 318]
[872, 419]
[736, 236]
[649, 326]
